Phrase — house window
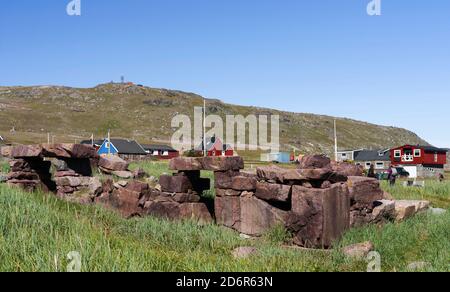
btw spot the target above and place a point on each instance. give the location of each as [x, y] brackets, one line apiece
[380, 165]
[435, 157]
[397, 153]
[417, 152]
[368, 164]
[155, 153]
[344, 155]
[108, 145]
[165, 153]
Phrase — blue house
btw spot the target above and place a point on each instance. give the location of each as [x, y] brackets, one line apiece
[108, 148]
[126, 149]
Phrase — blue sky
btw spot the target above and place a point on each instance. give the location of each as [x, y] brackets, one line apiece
[318, 56]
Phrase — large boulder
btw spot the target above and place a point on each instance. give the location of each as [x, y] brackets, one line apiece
[228, 211]
[222, 163]
[243, 183]
[73, 181]
[26, 151]
[219, 163]
[271, 173]
[224, 179]
[347, 169]
[273, 192]
[315, 162]
[277, 174]
[327, 211]
[364, 191]
[168, 209]
[175, 184]
[383, 211]
[358, 251]
[69, 151]
[258, 216]
[112, 163]
[126, 202]
[21, 175]
[19, 165]
[5, 151]
[227, 193]
[407, 208]
[123, 174]
[95, 187]
[186, 163]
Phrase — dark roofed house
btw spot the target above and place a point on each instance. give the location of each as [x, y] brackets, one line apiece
[161, 151]
[381, 159]
[129, 150]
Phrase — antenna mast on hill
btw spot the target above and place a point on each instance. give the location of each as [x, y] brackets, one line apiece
[122, 79]
[205, 153]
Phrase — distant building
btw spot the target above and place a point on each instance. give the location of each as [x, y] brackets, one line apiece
[215, 147]
[347, 155]
[420, 161]
[126, 149]
[447, 165]
[380, 159]
[277, 157]
[161, 151]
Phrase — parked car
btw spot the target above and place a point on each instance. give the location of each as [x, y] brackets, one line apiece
[402, 173]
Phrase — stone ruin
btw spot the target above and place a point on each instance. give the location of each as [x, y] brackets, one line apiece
[317, 201]
[65, 169]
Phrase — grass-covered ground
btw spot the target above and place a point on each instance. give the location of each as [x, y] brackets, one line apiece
[37, 232]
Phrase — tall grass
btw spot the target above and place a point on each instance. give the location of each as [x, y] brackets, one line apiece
[4, 166]
[438, 193]
[37, 232]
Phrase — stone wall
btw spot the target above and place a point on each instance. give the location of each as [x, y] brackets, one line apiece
[317, 201]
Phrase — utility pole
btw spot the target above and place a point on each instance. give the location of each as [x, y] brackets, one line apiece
[109, 143]
[205, 152]
[335, 142]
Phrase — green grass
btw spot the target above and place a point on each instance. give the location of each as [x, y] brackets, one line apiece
[37, 231]
[4, 166]
[438, 193]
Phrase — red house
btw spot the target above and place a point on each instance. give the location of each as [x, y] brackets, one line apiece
[215, 147]
[161, 151]
[420, 161]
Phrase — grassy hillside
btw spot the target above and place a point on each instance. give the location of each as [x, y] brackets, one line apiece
[143, 113]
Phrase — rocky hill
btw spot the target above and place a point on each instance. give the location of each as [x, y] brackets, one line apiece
[27, 114]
